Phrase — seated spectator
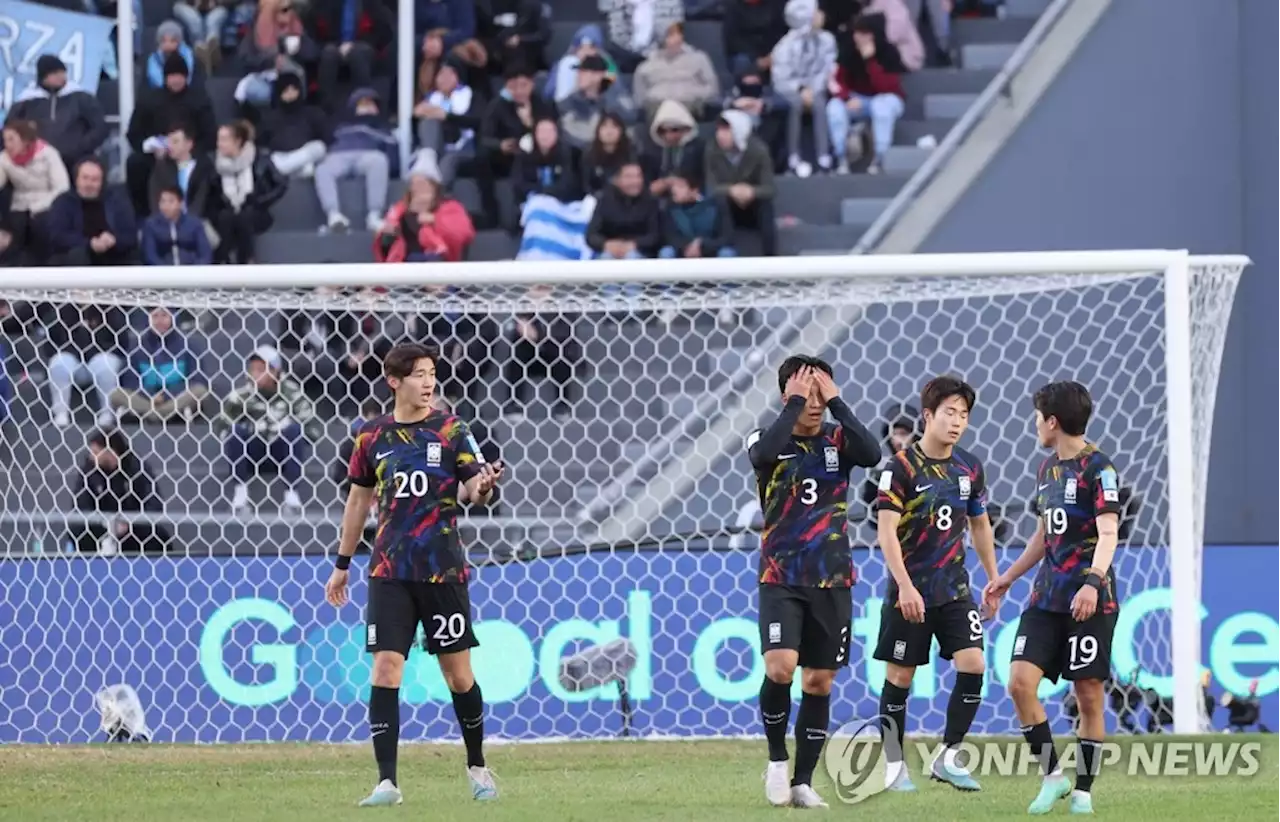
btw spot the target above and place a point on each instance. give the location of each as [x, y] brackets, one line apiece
[87, 342]
[636, 27]
[67, 118]
[159, 111]
[250, 186]
[171, 236]
[507, 119]
[269, 423]
[738, 169]
[513, 31]
[767, 109]
[163, 381]
[447, 121]
[293, 133]
[562, 80]
[626, 223]
[447, 28]
[549, 167]
[38, 176]
[424, 226]
[676, 147]
[751, 29]
[596, 95]
[549, 191]
[694, 225]
[203, 21]
[867, 88]
[362, 147]
[542, 345]
[169, 41]
[193, 174]
[677, 72]
[351, 34]
[606, 154]
[91, 224]
[804, 62]
[939, 25]
[277, 44]
[899, 30]
[114, 481]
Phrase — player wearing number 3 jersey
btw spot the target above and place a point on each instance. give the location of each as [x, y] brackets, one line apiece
[1067, 629]
[415, 463]
[802, 470]
[930, 494]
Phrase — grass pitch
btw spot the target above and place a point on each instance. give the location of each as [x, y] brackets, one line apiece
[592, 782]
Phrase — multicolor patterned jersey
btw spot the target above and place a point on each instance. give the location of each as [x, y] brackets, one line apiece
[936, 499]
[415, 469]
[1070, 494]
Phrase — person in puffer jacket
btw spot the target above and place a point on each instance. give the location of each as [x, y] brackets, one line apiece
[171, 236]
[694, 225]
[804, 61]
[362, 146]
[163, 380]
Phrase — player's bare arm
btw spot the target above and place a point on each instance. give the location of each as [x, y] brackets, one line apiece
[359, 498]
[909, 599]
[860, 446]
[984, 543]
[1085, 603]
[765, 448]
[1028, 559]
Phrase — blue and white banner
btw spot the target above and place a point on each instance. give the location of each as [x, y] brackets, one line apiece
[28, 30]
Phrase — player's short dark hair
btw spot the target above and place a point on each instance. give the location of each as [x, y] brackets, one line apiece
[400, 360]
[940, 389]
[795, 362]
[1068, 402]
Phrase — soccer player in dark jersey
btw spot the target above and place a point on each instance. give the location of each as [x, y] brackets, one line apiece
[417, 462]
[930, 493]
[802, 470]
[1067, 628]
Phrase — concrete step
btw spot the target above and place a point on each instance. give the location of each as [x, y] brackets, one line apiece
[989, 56]
[859, 211]
[1026, 9]
[904, 159]
[966, 30]
[948, 106]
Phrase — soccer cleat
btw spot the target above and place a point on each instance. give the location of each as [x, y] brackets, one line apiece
[952, 773]
[804, 796]
[483, 788]
[384, 795]
[1081, 802]
[897, 778]
[777, 784]
[240, 497]
[1052, 789]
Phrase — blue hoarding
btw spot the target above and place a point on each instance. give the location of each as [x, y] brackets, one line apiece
[28, 30]
[246, 649]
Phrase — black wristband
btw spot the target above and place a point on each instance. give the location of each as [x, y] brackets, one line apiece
[343, 563]
[1093, 581]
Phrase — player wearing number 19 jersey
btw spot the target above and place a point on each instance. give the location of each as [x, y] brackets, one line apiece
[802, 470]
[1067, 629]
[930, 494]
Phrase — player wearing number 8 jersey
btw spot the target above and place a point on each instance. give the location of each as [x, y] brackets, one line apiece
[802, 470]
[1067, 629]
[415, 463]
[930, 494]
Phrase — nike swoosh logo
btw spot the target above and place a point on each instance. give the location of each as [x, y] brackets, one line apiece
[1042, 487]
[972, 700]
[383, 455]
[920, 489]
[782, 457]
[444, 644]
[1074, 667]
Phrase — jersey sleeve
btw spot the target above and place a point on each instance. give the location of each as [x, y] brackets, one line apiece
[891, 488]
[978, 495]
[469, 459]
[1104, 488]
[361, 470]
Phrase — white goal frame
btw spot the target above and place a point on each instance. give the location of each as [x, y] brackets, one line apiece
[1175, 265]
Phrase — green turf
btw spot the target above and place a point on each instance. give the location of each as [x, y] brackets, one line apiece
[593, 782]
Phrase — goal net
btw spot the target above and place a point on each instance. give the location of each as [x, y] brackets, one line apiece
[183, 551]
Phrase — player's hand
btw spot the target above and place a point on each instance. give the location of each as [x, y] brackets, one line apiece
[911, 603]
[826, 386]
[800, 383]
[1084, 603]
[490, 473]
[993, 593]
[335, 590]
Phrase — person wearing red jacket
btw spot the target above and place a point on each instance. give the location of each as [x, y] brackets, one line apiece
[424, 226]
[867, 87]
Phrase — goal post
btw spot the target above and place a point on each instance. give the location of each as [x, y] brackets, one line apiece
[619, 392]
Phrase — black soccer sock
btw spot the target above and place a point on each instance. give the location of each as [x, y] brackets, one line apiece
[1040, 738]
[775, 711]
[1088, 762]
[812, 722]
[893, 709]
[384, 728]
[962, 707]
[469, 708]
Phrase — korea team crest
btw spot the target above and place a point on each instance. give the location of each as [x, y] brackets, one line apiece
[966, 488]
[433, 454]
[1071, 490]
[832, 455]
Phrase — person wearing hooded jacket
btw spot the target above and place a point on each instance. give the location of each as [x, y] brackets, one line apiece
[293, 132]
[362, 147]
[674, 147]
[562, 80]
[804, 61]
[68, 118]
[740, 170]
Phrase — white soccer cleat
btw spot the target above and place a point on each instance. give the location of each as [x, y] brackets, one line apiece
[804, 796]
[385, 794]
[483, 787]
[777, 784]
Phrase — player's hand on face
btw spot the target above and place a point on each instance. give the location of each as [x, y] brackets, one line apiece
[826, 386]
[912, 604]
[800, 383]
[1084, 603]
[335, 590]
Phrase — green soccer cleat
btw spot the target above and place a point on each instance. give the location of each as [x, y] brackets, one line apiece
[1081, 802]
[953, 774]
[386, 794]
[483, 788]
[1051, 790]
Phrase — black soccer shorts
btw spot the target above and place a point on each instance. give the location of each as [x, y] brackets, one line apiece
[813, 621]
[1058, 645]
[956, 624]
[396, 608]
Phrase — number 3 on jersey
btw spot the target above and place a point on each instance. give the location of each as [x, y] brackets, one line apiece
[411, 484]
[809, 491]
